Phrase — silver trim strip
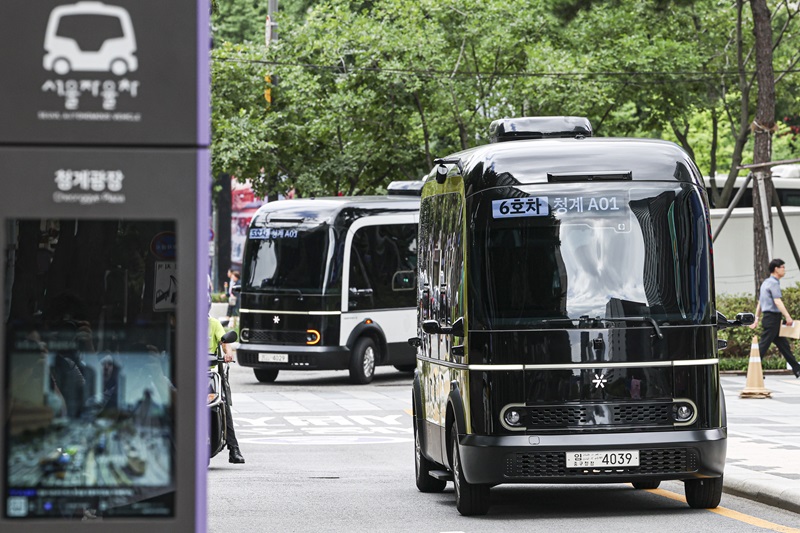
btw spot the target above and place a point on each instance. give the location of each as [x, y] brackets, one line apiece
[459, 366]
[600, 364]
[571, 366]
[696, 362]
[271, 312]
[496, 367]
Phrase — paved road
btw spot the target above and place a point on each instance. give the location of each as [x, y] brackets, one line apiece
[324, 455]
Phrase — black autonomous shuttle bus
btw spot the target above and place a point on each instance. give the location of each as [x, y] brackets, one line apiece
[329, 284]
[567, 331]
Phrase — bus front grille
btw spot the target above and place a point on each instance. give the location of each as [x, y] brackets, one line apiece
[622, 414]
[265, 336]
[553, 464]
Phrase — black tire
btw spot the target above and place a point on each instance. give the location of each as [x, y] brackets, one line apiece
[362, 361]
[645, 485]
[406, 368]
[422, 466]
[471, 499]
[703, 493]
[265, 375]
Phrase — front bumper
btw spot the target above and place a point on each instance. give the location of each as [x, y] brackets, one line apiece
[542, 459]
[300, 357]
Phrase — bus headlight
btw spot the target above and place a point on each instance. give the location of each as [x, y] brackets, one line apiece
[513, 417]
[312, 336]
[683, 412]
[245, 334]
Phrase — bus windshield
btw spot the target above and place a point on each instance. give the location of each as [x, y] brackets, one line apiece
[289, 260]
[556, 254]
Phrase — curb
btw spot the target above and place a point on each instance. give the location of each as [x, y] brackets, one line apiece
[786, 372]
[763, 488]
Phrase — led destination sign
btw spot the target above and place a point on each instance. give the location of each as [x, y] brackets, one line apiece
[610, 210]
[272, 233]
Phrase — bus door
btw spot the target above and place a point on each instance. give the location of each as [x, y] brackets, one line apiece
[440, 270]
[379, 250]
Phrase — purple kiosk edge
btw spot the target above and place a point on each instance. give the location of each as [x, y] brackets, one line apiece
[104, 159]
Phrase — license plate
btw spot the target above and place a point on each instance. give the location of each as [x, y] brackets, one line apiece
[605, 459]
[273, 358]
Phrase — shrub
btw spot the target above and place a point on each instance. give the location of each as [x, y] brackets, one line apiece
[740, 339]
[770, 362]
[217, 297]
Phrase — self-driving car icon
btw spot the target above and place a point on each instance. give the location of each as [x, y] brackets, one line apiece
[90, 37]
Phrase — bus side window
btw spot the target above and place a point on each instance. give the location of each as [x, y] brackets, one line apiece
[360, 294]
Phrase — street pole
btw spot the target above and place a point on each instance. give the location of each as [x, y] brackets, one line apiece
[766, 212]
[272, 26]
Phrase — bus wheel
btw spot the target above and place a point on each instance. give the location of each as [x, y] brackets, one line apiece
[703, 493]
[406, 368]
[362, 362]
[645, 485]
[422, 466]
[470, 499]
[264, 375]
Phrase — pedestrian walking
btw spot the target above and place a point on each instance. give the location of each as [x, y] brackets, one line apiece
[771, 308]
[233, 299]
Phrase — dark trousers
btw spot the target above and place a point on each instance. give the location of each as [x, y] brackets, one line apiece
[771, 328]
[232, 442]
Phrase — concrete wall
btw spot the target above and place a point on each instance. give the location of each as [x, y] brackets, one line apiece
[733, 249]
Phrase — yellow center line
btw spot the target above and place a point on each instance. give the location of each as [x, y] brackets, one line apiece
[729, 513]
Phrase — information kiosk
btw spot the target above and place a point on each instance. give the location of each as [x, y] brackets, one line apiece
[103, 226]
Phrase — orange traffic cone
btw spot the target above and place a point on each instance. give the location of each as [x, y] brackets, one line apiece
[754, 388]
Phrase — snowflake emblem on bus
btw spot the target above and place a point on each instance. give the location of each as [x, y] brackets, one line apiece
[600, 381]
[276, 319]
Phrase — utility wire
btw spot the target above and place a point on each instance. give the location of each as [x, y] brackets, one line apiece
[691, 76]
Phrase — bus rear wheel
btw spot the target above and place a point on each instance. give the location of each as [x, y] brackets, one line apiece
[703, 493]
[264, 375]
[471, 499]
[362, 361]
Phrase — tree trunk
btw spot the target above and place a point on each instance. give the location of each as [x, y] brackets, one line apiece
[762, 127]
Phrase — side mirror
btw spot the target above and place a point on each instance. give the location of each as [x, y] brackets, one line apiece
[416, 342]
[404, 280]
[457, 329]
[236, 289]
[431, 327]
[745, 319]
[229, 337]
[742, 319]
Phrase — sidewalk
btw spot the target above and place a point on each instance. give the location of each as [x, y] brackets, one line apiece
[764, 442]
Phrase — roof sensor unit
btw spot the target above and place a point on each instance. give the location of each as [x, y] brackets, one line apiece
[523, 128]
[405, 188]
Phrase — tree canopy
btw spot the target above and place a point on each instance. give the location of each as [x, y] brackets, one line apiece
[364, 93]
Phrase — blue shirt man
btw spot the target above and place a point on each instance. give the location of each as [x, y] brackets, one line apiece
[771, 307]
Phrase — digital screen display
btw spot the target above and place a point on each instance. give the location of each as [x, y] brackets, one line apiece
[89, 428]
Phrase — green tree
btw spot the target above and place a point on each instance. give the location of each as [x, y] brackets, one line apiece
[238, 21]
[368, 92]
